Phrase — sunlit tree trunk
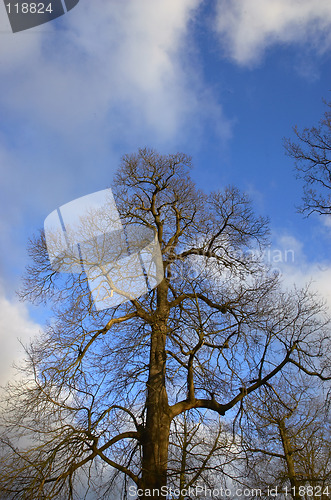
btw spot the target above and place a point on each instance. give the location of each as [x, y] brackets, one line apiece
[155, 440]
[289, 461]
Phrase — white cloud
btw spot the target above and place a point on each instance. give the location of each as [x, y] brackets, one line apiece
[247, 28]
[288, 256]
[111, 67]
[15, 325]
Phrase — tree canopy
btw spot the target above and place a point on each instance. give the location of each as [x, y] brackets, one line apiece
[105, 392]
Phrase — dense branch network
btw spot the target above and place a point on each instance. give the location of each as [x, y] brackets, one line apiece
[215, 331]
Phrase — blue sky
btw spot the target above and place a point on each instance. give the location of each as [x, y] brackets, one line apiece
[224, 81]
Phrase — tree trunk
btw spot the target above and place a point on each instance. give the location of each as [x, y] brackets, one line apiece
[155, 438]
[289, 461]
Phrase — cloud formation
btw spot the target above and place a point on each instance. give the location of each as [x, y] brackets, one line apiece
[287, 256]
[15, 325]
[247, 28]
[119, 66]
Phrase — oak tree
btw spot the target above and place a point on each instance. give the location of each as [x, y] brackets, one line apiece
[104, 389]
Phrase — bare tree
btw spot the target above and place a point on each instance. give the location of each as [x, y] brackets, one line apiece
[286, 435]
[312, 155]
[104, 387]
[203, 451]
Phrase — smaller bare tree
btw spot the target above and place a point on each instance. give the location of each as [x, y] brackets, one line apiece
[203, 451]
[286, 434]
